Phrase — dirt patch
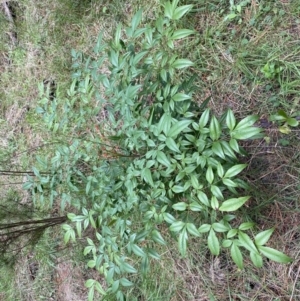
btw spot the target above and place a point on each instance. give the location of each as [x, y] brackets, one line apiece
[69, 282]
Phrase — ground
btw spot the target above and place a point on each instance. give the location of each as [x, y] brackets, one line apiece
[249, 63]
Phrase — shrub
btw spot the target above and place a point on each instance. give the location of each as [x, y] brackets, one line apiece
[134, 154]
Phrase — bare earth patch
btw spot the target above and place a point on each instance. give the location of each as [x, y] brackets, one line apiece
[69, 282]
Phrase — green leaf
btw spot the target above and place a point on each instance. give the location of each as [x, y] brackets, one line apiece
[156, 236]
[91, 294]
[246, 122]
[204, 118]
[27, 185]
[120, 295]
[70, 234]
[277, 117]
[181, 206]
[214, 129]
[114, 58]
[164, 123]
[145, 265]
[91, 263]
[178, 127]
[227, 149]
[36, 172]
[234, 170]
[164, 75]
[161, 138]
[274, 255]
[152, 253]
[216, 192]
[217, 149]
[180, 97]
[263, 237]
[168, 10]
[139, 32]
[236, 256]
[229, 217]
[245, 133]
[136, 20]
[230, 16]
[190, 168]
[292, 122]
[246, 226]
[203, 198]
[177, 226]
[99, 288]
[126, 267]
[178, 189]
[182, 63]
[283, 114]
[118, 34]
[125, 282]
[89, 283]
[171, 144]
[137, 250]
[182, 242]
[39, 110]
[115, 286]
[162, 158]
[194, 181]
[179, 177]
[246, 242]
[148, 215]
[170, 44]
[229, 183]
[285, 129]
[218, 227]
[226, 243]
[204, 228]
[150, 163]
[214, 203]
[220, 170]
[169, 218]
[209, 175]
[232, 232]
[192, 229]
[234, 145]
[182, 33]
[234, 204]
[174, 4]
[79, 228]
[256, 259]
[194, 206]
[88, 249]
[148, 176]
[213, 243]
[138, 57]
[181, 11]
[230, 120]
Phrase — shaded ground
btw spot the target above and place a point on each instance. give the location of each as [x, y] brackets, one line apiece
[34, 49]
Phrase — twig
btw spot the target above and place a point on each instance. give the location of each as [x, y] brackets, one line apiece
[294, 284]
[11, 32]
[7, 12]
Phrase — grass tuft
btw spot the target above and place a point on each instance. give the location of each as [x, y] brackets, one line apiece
[233, 63]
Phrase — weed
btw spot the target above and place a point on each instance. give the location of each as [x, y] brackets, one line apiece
[228, 59]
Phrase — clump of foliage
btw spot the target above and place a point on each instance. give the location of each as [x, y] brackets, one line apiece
[133, 154]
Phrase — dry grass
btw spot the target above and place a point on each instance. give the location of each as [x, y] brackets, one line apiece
[69, 282]
[233, 81]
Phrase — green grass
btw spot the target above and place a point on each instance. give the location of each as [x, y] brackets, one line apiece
[229, 57]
